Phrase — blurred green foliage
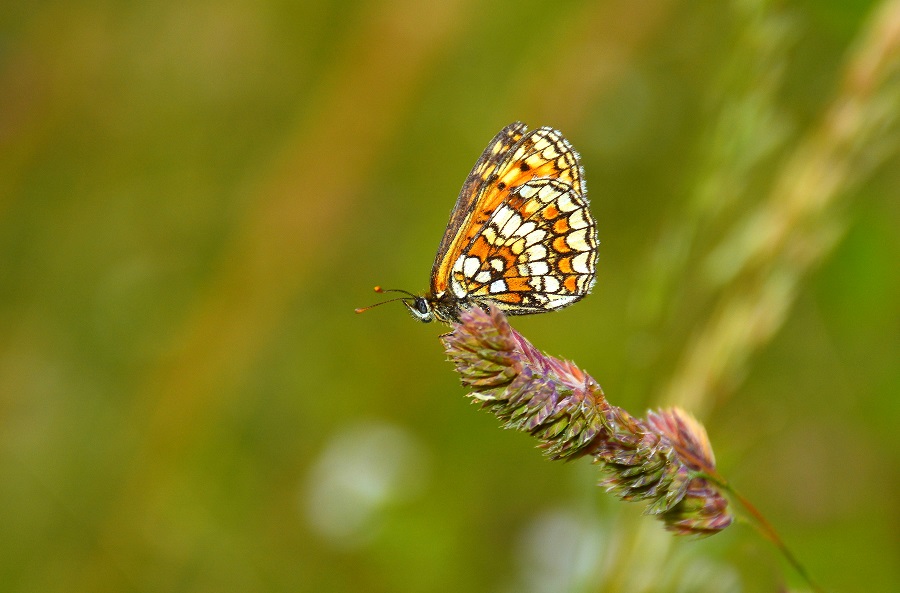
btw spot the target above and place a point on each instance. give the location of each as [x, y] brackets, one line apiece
[195, 196]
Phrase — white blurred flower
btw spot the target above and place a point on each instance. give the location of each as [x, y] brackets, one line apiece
[364, 470]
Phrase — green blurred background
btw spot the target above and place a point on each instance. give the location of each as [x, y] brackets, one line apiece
[194, 197]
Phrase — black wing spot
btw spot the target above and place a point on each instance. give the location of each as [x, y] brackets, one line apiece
[501, 185]
[524, 167]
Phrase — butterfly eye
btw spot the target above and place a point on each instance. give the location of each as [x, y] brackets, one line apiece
[422, 306]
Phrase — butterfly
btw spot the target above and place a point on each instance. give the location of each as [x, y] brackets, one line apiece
[520, 236]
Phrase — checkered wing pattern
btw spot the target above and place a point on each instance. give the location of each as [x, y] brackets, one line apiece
[521, 234]
[536, 253]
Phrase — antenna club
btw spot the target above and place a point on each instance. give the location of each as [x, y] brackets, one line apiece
[379, 290]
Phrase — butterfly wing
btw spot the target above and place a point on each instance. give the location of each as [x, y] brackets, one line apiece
[462, 214]
[536, 253]
[496, 180]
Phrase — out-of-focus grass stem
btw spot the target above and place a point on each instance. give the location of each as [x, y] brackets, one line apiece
[761, 263]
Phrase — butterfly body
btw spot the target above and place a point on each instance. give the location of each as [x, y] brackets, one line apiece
[521, 235]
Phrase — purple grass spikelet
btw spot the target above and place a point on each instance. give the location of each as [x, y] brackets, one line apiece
[665, 460]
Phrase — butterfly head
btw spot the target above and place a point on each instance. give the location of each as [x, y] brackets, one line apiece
[420, 306]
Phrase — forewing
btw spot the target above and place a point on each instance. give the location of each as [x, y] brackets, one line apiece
[484, 167]
[536, 253]
[541, 153]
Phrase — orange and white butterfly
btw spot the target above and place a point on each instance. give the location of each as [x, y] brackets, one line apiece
[520, 236]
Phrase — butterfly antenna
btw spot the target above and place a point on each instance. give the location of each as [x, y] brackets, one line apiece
[380, 290]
